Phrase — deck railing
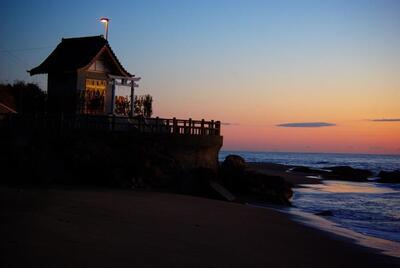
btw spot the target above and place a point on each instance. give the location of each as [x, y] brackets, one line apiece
[110, 123]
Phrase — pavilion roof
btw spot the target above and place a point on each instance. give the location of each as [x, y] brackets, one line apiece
[76, 53]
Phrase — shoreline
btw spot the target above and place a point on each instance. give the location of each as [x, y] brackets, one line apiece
[308, 180]
[374, 244]
[103, 227]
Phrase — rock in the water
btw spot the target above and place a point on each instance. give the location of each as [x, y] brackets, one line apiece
[389, 176]
[307, 170]
[324, 213]
[348, 173]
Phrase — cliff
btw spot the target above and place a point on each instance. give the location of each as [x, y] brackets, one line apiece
[124, 158]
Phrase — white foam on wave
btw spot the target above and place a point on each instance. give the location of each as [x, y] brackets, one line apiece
[387, 247]
[384, 246]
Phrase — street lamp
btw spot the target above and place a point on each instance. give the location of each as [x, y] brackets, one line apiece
[105, 21]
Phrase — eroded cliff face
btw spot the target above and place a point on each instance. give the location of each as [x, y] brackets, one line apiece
[103, 158]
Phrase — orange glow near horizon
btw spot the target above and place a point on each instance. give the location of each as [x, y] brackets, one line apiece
[354, 137]
[251, 112]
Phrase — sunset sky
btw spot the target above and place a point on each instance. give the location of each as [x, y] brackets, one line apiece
[307, 76]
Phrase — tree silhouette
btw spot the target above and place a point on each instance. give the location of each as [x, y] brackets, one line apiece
[143, 105]
[24, 97]
[147, 105]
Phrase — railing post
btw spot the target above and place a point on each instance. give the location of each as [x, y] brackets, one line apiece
[157, 125]
[175, 125]
[190, 126]
[202, 127]
[211, 128]
[218, 128]
[168, 127]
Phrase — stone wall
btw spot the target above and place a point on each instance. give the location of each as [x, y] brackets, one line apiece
[106, 158]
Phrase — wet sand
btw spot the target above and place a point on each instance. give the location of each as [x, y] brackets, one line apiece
[112, 228]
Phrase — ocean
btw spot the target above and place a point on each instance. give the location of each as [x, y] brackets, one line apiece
[371, 162]
[366, 212]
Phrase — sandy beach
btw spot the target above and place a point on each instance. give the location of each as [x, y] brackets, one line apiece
[115, 228]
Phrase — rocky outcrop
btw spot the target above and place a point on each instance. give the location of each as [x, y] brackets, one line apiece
[389, 176]
[233, 163]
[252, 185]
[344, 173]
[347, 173]
[307, 170]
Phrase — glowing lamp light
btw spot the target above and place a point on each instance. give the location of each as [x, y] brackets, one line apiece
[106, 22]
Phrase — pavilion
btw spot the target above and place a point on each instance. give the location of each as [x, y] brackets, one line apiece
[85, 77]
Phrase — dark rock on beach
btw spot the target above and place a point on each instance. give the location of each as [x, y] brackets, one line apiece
[347, 173]
[324, 213]
[307, 170]
[273, 189]
[233, 163]
[197, 182]
[344, 173]
[253, 185]
[389, 176]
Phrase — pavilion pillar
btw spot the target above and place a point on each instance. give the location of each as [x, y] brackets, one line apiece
[113, 97]
[132, 98]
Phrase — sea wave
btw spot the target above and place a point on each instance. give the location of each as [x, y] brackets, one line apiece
[370, 210]
[372, 162]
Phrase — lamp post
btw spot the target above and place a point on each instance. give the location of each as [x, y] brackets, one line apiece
[105, 21]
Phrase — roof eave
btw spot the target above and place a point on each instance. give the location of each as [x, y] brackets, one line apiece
[113, 56]
[33, 72]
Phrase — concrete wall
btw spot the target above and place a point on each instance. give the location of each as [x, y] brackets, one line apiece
[93, 156]
[190, 152]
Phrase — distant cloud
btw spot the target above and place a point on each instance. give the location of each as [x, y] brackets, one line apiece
[376, 148]
[229, 124]
[307, 124]
[386, 120]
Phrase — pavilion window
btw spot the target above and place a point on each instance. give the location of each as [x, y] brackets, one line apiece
[123, 105]
[94, 96]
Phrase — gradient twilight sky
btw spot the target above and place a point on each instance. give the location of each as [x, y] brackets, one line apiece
[251, 64]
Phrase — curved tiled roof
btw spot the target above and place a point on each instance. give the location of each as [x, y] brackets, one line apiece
[75, 53]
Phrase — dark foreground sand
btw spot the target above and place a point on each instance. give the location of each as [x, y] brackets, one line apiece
[110, 228]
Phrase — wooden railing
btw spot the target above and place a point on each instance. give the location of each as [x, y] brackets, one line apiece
[110, 123]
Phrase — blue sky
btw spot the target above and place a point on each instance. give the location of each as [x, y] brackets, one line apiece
[230, 34]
